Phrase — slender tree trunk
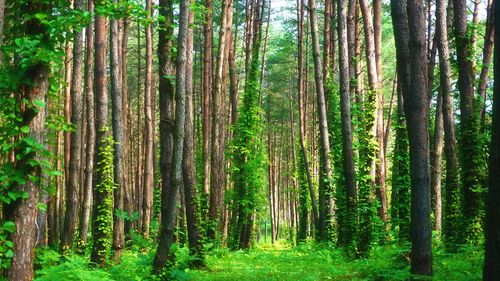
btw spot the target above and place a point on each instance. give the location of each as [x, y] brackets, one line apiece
[487, 56]
[149, 130]
[206, 93]
[188, 164]
[100, 229]
[73, 181]
[117, 121]
[90, 141]
[166, 89]
[417, 114]
[2, 12]
[326, 203]
[163, 253]
[452, 210]
[127, 140]
[374, 87]
[470, 147]
[218, 111]
[492, 234]
[302, 131]
[436, 156]
[345, 112]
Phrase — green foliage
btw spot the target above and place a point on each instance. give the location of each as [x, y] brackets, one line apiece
[366, 182]
[248, 156]
[103, 221]
[401, 182]
[304, 200]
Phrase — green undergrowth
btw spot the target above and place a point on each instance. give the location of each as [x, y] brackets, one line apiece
[305, 262]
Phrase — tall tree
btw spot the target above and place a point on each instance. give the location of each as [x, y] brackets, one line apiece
[117, 122]
[306, 184]
[207, 92]
[167, 228]
[103, 178]
[471, 156]
[73, 183]
[351, 206]
[248, 151]
[452, 212]
[492, 227]
[326, 204]
[90, 141]
[188, 161]
[32, 90]
[166, 89]
[368, 152]
[149, 130]
[218, 111]
[417, 114]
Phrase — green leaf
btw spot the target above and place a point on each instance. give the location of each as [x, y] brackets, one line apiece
[39, 103]
[9, 226]
[9, 254]
[25, 129]
[42, 207]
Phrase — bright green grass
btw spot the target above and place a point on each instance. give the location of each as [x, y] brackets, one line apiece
[306, 262]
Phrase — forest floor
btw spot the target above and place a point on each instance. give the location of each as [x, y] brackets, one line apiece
[306, 262]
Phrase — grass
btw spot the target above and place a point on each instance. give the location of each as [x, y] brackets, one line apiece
[307, 262]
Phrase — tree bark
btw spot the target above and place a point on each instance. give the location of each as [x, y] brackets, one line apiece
[149, 130]
[452, 210]
[326, 203]
[487, 56]
[492, 227]
[117, 122]
[345, 112]
[470, 149]
[100, 232]
[23, 211]
[167, 228]
[90, 141]
[2, 12]
[436, 156]
[218, 111]
[188, 163]
[417, 114]
[73, 182]
[206, 94]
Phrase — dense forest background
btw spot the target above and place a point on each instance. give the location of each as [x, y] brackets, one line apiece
[250, 140]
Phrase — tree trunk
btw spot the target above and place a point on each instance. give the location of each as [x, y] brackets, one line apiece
[487, 56]
[302, 134]
[206, 93]
[470, 143]
[73, 182]
[188, 164]
[117, 122]
[345, 111]
[23, 211]
[452, 210]
[2, 12]
[167, 228]
[101, 231]
[326, 203]
[90, 141]
[436, 156]
[374, 85]
[218, 111]
[492, 227]
[417, 114]
[149, 130]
